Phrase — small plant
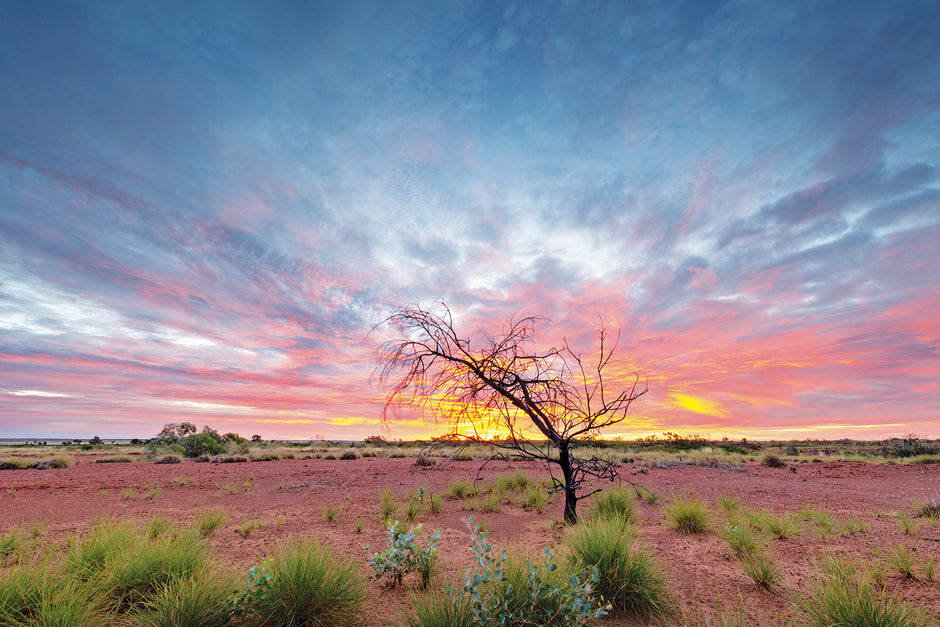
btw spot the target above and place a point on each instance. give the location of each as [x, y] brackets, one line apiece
[773, 461]
[167, 459]
[388, 504]
[903, 561]
[9, 544]
[614, 505]
[180, 481]
[780, 526]
[649, 496]
[825, 525]
[37, 530]
[742, 539]
[688, 515]
[443, 609]
[415, 505]
[424, 460]
[761, 569]
[460, 488]
[730, 505]
[854, 526]
[930, 509]
[403, 556]
[247, 527]
[492, 502]
[153, 493]
[330, 512]
[535, 499]
[436, 504]
[904, 522]
[128, 494]
[359, 524]
[349, 455]
[138, 572]
[210, 520]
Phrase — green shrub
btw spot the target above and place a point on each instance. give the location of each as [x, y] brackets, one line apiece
[415, 505]
[614, 504]
[628, 578]
[688, 515]
[403, 556]
[201, 600]
[305, 584]
[541, 601]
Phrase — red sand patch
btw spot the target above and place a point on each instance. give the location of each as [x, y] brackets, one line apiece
[288, 498]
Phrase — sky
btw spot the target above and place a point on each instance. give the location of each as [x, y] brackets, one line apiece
[206, 208]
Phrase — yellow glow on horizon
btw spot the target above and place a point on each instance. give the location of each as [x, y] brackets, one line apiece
[698, 405]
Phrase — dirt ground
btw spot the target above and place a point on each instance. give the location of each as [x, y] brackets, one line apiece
[288, 498]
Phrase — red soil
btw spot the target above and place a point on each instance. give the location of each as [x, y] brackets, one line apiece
[288, 498]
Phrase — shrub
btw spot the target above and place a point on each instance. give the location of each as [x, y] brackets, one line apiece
[543, 600]
[118, 459]
[688, 515]
[10, 464]
[772, 461]
[614, 504]
[415, 505]
[349, 455]
[304, 583]
[168, 459]
[424, 460]
[627, 578]
[198, 601]
[55, 462]
[930, 509]
[403, 556]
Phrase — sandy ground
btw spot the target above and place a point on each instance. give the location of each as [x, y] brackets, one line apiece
[288, 499]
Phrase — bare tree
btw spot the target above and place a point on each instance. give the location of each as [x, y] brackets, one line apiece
[537, 405]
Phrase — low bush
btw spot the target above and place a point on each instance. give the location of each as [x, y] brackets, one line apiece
[168, 459]
[424, 460]
[142, 571]
[773, 461]
[119, 459]
[627, 577]
[349, 455]
[10, 464]
[403, 556]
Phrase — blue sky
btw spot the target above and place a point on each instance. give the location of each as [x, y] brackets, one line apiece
[206, 207]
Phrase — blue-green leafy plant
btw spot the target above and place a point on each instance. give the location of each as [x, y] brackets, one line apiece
[498, 598]
[403, 555]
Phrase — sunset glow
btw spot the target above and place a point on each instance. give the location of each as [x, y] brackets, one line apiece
[205, 210]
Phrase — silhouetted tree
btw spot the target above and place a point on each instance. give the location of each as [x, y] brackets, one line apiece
[507, 395]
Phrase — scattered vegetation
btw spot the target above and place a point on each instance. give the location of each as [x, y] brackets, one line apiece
[403, 556]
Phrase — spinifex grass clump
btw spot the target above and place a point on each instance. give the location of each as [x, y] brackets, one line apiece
[440, 610]
[854, 600]
[742, 538]
[762, 570]
[627, 577]
[36, 595]
[304, 583]
[210, 520]
[88, 556]
[614, 505]
[203, 600]
[688, 515]
[146, 568]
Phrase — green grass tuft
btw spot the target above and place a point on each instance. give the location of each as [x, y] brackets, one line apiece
[628, 578]
[688, 515]
[310, 586]
[614, 505]
[210, 520]
[201, 600]
[439, 610]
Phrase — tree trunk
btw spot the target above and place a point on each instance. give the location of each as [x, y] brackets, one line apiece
[571, 497]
